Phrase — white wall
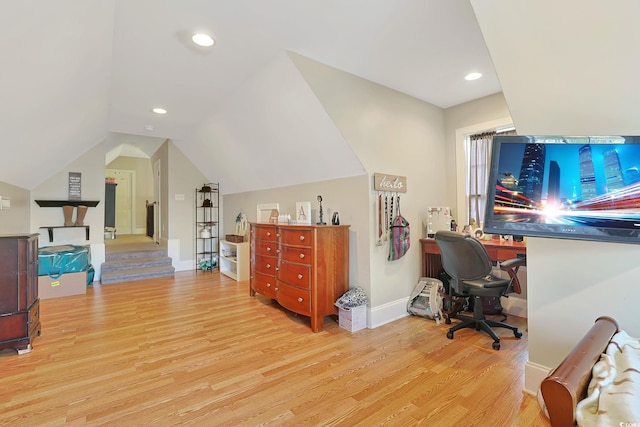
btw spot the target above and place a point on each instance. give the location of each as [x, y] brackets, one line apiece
[182, 180]
[471, 117]
[91, 167]
[15, 219]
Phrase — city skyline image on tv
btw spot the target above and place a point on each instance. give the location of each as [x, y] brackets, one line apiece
[570, 181]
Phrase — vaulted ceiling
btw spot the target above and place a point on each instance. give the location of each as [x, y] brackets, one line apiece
[77, 73]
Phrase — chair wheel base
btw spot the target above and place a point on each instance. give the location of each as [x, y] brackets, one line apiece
[496, 345]
[517, 333]
[450, 334]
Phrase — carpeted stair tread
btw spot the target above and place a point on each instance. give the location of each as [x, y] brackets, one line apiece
[145, 261]
[133, 274]
[135, 262]
[114, 256]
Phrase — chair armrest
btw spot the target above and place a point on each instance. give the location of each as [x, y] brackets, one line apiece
[511, 266]
[513, 263]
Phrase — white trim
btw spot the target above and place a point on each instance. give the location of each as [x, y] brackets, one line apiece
[461, 187]
[514, 306]
[98, 256]
[386, 313]
[533, 376]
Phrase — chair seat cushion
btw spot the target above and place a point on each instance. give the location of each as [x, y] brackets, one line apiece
[486, 286]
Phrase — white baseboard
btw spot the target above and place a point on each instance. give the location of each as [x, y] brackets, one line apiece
[394, 310]
[98, 256]
[386, 313]
[184, 265]
[533, 376]
[514, 306]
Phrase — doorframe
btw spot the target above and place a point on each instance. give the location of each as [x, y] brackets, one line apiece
[132, 197]
[157, 200]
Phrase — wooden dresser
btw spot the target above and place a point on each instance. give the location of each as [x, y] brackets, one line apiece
[19, 303]
[303, 267]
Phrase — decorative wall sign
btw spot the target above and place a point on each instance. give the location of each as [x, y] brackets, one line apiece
[75, 186]
[390, 183]
[303, 212]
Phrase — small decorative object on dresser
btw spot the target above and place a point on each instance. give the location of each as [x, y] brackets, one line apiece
[320, 213]
[303, 212]
[303, 267]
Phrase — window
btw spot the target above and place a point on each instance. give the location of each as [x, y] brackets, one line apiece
[478, 160]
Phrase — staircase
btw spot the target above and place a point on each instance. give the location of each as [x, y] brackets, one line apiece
[135, 262]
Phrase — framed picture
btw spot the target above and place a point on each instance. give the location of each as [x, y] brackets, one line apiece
[303, 212]
[267, 211]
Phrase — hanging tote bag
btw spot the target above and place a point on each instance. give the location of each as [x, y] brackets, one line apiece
[400, 239]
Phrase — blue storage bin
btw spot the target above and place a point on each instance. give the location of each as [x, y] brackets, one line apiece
[53, 261]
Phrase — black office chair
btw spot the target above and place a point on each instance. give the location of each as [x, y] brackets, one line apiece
[465, 259]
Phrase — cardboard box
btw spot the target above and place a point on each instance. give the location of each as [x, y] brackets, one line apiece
[353, 318]
[65, 285]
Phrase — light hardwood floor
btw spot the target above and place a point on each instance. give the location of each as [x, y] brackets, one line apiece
[198, 350]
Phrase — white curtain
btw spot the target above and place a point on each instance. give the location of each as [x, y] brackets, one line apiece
[479, 161]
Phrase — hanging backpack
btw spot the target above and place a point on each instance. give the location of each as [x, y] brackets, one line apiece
[426, 299]
[400, 239]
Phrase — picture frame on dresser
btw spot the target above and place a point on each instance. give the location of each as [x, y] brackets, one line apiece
[265, 211]
[303, 212]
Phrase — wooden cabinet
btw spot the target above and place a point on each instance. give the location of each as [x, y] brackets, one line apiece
[303, 267]
[234, 260]
[19, 303]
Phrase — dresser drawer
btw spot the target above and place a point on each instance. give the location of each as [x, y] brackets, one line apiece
[264, 232]
[295, 274]
[264, 247]
[295, 237]
[264, 285]
[266, 265]
[295, 254]
[13, 326]
[294, 299]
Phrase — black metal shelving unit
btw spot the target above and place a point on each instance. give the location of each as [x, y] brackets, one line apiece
[207, 232]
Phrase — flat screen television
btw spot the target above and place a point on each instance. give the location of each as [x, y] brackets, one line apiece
[573, 187]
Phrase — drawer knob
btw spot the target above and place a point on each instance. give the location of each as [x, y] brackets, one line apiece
[299, 276]
[268, 265]
[301, 256]
[268, 234]
[276, 289]
[268, 249]
[300, 299]
[268, 285]
[301, 238]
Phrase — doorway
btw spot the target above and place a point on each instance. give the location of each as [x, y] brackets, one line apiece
[125, 195]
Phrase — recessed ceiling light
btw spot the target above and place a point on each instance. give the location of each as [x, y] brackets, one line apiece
[473, 76]
[202, 40]
[158, 110]
[148, 128]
